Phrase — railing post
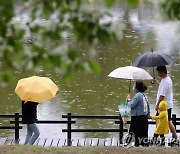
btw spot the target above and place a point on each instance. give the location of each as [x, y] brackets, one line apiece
[69, 130]
[16, 127]
[174, 120]
[120, 129]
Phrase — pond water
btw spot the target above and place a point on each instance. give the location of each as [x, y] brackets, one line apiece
[91, 94]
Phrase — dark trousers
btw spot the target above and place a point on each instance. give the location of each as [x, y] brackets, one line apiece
[139, 126]
[155, 141]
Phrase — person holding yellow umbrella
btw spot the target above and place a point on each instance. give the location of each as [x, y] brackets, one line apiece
[32, 91]
[29, 117]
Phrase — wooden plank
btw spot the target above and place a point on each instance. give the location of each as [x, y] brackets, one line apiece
[37, 141]
[21, 141]
[2, 140]
[81, 142]
[87, 142]
[15, 142]
[101, 142]
[55, 142]
[42, 141]
[62, 142]
[114, 142]
[108, 142]
[58, 142]
[48, 142]
[8, 141]
[75, 142]
[65, 142]
[94, 142]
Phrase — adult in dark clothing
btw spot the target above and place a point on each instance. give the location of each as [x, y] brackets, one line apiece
[29, 117]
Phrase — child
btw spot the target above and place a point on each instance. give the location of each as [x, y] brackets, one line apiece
[162, 127]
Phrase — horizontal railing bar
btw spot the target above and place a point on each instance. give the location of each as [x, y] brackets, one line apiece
[10, 127]
[177, 123]
[55, 122]
[178, 131]
[92, 116]
[129, 122]
[9, 116]
[48, 122]
[118, 122]
[152, 122]
[94, 130]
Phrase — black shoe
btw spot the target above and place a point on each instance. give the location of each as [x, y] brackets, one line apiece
[175, 142]
[146, 145]
[162, 145]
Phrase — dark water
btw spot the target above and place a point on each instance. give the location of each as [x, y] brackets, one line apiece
[91, 94]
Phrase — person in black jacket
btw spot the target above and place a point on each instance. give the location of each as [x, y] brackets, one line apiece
[29, 117]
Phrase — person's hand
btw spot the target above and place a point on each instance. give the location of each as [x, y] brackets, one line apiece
[156, 108]
[154, 81]
[129, 96]
[149, 117]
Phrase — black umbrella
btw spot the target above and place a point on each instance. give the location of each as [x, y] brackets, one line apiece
[152, 59]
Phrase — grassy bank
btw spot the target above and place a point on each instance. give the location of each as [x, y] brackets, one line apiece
[20, 149]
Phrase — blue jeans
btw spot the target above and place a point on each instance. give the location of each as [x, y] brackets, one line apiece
[32, 134]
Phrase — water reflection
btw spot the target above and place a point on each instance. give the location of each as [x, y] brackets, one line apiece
[91, 94]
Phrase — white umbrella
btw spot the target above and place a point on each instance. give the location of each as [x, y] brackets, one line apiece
[131, 73]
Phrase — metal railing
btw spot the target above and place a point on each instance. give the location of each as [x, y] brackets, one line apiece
[117, 120]
[69, 129]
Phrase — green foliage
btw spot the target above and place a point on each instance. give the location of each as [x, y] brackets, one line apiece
[39, 40]
[29, 149]
[133, 3]
[7, 77]
[172, 8]
[94, 66]
[52, 32]
[109, 3]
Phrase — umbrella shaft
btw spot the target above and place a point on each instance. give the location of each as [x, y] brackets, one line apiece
[130, 87]
[153, 73]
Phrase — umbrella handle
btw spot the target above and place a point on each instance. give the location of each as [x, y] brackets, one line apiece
[153, 74]
[152, 82]
[130, 86]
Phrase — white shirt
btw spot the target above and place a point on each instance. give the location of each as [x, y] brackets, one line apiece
[165, 89]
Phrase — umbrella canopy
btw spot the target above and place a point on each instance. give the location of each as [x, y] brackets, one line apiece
[131, 73]
[36, 89]
[152, 59]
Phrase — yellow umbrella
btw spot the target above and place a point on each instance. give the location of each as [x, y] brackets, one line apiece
[36, 89]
